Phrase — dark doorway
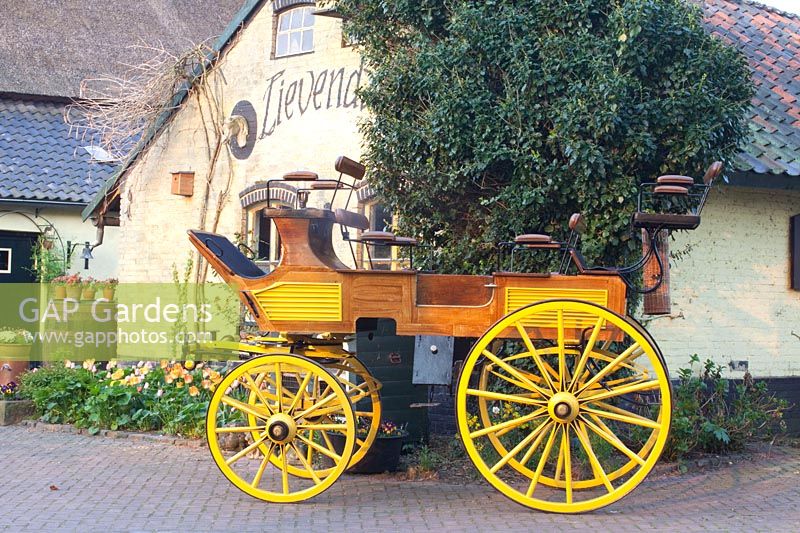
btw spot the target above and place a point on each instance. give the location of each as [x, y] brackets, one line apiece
[16, 264]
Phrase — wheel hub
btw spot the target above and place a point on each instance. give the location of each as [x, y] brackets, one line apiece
[563, 407]
[281, 428]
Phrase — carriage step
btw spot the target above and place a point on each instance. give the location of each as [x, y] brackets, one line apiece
[417, 405]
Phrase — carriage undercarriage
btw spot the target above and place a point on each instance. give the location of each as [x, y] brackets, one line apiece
[563, 402]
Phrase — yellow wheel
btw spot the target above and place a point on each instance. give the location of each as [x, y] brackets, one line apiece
[294, 396]
[564, 406]
[366, 401]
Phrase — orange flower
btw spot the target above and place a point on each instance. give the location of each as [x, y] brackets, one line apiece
[169, 379]
[176, 371]
[193, 391]
[118, 374]
[179, 384]
[188, 378]
[164, 363]
[206, 384]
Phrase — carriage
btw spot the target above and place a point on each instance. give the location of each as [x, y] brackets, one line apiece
[563, 401]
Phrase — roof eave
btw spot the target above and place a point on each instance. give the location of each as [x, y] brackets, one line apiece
[242, 17]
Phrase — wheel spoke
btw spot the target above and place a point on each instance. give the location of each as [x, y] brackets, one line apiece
[621, 415]
[534, 354]
[247, 450]
[284, 470]
[607, 435]
[279, 390]
[619, 391]
[560, 460]
[327, 427]
[239, 429]
[327, 399]
[515, 382]
[300, 393]
[324, 451]
[613, 366]
[509, 423]
[586, 351]
[527, 457]
[256, 389]
[518, 448]
[567, 463]
[505, 397]
[528, 384]
[580, 431]
[542, 461]
[308, 468]
[262, 467]
[249, 409]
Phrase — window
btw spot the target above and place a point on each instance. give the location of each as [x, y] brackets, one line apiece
[295, 32]
[5, 260]
[267, 244]
[794, 245]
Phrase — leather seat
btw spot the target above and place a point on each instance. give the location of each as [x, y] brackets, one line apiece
[378, 236]
[671, 189]
[532, 238]
[670, 179]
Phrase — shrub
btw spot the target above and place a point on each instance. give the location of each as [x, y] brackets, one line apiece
[494, 118]
[711, 415]
[58, 392]
[168, 397]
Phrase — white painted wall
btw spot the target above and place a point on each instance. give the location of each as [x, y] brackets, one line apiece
[154, 222]
[731, 296]
[70, 228]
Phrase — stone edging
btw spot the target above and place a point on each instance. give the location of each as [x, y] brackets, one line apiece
[107, 433]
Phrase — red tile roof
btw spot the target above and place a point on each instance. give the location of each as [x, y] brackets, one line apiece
[771, 41]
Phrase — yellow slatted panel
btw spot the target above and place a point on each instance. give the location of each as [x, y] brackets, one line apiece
[290, 301]
[517, 297]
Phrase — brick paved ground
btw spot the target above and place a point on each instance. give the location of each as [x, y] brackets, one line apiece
[123, 485]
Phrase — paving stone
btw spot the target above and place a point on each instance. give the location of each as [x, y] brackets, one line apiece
[148, 485]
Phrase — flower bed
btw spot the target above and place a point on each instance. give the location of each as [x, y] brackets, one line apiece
[168, 396]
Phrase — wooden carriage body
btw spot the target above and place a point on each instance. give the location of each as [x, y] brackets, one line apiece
[312, 291]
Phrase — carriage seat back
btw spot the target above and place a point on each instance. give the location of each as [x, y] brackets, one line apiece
[345, 165]
[351, 220]
[218, 249]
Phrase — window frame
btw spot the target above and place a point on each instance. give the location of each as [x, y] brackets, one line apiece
[276, 34]
[6, 269]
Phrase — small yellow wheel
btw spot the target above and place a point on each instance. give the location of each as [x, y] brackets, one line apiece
[564, 406]
[366, 401]
[294, 396]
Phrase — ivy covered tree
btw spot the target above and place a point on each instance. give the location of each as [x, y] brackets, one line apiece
[491, 118]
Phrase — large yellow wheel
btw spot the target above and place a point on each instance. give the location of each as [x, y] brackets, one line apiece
[564, 406]
[294, 396]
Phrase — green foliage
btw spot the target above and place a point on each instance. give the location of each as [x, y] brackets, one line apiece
[711, 416]
[493, 118]
[48, 260]
[58, 392]
[169, 398]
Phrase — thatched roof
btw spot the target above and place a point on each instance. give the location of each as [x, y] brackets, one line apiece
[47, 47]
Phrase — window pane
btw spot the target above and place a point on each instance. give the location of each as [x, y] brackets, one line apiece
[282, 46]
[294, 42]
[283, 21]
[297, 18]
[308, 19]
[308, 40]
